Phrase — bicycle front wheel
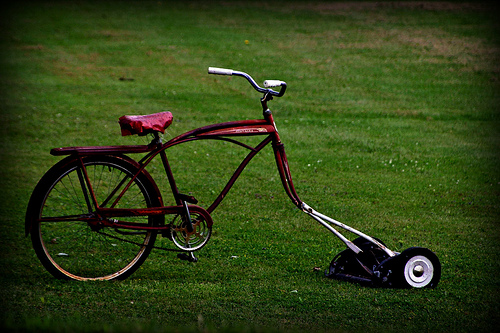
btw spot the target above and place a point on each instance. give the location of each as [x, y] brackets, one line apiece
[60, 210]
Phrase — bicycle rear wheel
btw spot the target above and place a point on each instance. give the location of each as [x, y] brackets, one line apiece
[70, 247]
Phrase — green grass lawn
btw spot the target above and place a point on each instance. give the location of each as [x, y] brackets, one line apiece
[390, 122]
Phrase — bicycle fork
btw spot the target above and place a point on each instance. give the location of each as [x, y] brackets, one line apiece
[325, 221]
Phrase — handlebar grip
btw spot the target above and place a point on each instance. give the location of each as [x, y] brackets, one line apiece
[220, 71]
[273, 83]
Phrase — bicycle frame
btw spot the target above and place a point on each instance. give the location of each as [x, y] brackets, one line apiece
[223, 131]
[363, 262]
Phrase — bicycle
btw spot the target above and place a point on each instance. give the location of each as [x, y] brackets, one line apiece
[95, 214]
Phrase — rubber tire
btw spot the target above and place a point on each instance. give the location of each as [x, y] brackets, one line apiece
[42, 193]
[405, 278]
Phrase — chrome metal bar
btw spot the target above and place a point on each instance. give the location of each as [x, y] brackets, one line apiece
[321, 219]
[347, 242]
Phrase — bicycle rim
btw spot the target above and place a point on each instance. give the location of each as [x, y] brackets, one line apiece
[71, 248]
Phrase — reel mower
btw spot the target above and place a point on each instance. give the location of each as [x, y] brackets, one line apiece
[369, 262]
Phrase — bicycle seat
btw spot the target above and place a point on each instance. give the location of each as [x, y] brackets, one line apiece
[142, 125]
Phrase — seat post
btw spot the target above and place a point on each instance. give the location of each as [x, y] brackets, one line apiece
[156, 141]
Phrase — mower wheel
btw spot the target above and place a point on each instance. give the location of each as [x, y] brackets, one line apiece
[417, 267]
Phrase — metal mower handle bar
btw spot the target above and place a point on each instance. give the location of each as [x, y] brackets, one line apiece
[267, 83]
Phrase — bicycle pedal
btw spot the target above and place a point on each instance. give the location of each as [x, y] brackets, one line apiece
[187, 257]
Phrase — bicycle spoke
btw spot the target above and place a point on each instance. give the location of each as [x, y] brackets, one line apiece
[84, 188]
[69, 239]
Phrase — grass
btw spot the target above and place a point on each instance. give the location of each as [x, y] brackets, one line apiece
[390, 124]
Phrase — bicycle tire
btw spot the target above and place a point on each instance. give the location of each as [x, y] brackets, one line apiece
[73, 249]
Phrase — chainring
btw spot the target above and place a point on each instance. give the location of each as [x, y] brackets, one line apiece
[190, 240]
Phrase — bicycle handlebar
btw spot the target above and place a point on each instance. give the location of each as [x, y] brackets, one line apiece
[220, 71]
[267, 83]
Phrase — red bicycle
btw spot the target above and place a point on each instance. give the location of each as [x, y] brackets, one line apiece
[95, 215]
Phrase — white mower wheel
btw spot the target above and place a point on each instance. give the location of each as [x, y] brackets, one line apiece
[419, 268]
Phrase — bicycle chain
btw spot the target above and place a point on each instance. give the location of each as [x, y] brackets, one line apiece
[139, 244]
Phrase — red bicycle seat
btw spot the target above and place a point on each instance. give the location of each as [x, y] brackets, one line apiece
[142, 125]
